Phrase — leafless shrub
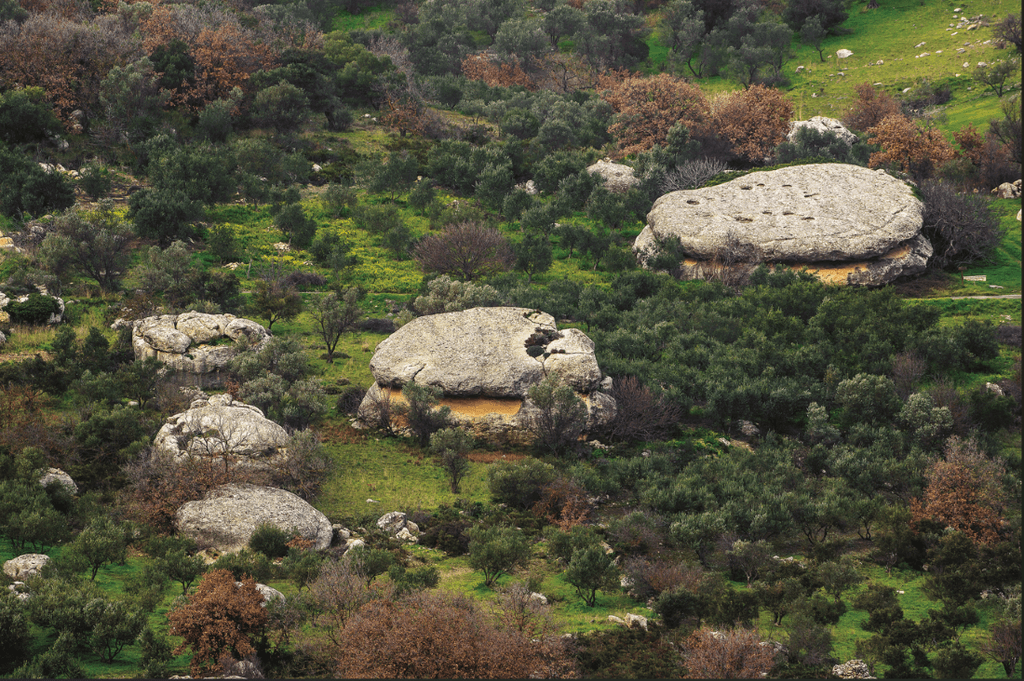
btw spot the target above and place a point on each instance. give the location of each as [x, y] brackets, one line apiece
[693, 174]
[1008, 334]
[907, 371]
[735, 654]
[651, 578]
[945, 394]
[381, 411]
[518, 609]
[467, 249]
[641, 414]
[732, 264]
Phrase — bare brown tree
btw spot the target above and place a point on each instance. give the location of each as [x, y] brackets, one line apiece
[735, 654]
[468, 250]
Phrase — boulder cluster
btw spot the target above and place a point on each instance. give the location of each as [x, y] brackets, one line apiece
[843, 223]
[195, 343]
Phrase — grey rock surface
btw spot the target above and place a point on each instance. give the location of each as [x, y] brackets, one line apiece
[56, 474]
[618, 178]
[823, 124]
[228, 515]
[810, 213]
[216, 426]
[189, 342]
[26, 565]
[479, 359]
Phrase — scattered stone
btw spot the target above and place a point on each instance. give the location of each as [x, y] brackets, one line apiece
[20, 591]
[228, 515]
[391, 522]
[540, 598]
[269, 593]
[844, 53]
[1008, 190]
[748, 429]
[976, 277]
[618, 178]
[995, 389]
[57, 475]
[822, 124]
[219, 426]
[636, 621]
[854, 669]
[617, 620]
[26, 565]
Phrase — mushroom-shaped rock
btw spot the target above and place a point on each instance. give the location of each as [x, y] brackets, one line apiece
[195, 342]
[484, 361]
[26, 565]
[822, 124]
[228, 515]
[845, 223]
[57, 475]
[618, 178]
[219, 426]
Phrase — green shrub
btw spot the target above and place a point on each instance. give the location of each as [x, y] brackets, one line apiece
[519, 483]
[36, 310]
[270, 540]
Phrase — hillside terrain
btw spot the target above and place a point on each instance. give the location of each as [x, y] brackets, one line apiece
[342, 339]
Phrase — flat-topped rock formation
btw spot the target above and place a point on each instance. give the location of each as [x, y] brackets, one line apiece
[847, 224]
[485, 360]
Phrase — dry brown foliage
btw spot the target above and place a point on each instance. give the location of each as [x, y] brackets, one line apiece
[516, 609]
[219, 617]
[651, 578]
[964, 491]
[870, 108]
[647, 108]
[755, 120]
[971, 143]
[441, 636]
[735, 654]
[564, 73]
[564, 504]
[479, 67]
[909, 146]
[25, 422]
[66, 58]
[468, 250]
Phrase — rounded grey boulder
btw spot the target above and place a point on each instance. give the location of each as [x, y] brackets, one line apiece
[216, 426]
[228, 515]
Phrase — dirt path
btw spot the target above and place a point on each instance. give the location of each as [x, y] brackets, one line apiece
[1009, 295]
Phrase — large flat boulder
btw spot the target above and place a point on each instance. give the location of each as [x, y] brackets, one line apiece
[26, 565]
[228, 515]
[863, 226]
[218, 426]
[618, 178]
[485, 360]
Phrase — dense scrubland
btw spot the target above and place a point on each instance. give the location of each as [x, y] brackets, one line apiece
[814, 473]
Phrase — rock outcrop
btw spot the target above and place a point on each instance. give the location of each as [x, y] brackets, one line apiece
[26, 565]
[1008, 190]
[195, 343]
[485, 360]
[618, 178]
[822, 124]
[854, 669]
[216, 426]
[844, 223]
[228, 515]
[57, 475]
[6, 300]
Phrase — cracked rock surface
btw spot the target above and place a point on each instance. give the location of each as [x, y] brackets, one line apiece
[187, 342]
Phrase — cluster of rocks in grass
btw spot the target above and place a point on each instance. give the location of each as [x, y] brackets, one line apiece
[195, 345]
[6, 300]
[484, 361]
[846, 224]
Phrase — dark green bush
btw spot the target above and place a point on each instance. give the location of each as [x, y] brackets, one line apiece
[36, 310]
[248, 563]
[270, 540]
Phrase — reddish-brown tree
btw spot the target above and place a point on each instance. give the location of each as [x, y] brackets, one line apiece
[468, 250]
[647, 108]
[641, 414]
[912, 148]
[735, 654]
[479, 67]
[441, 636]
[870, 108]
[564, 503]
[755, 120]
[221, 616]
[964, 491]
[1004, 644]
